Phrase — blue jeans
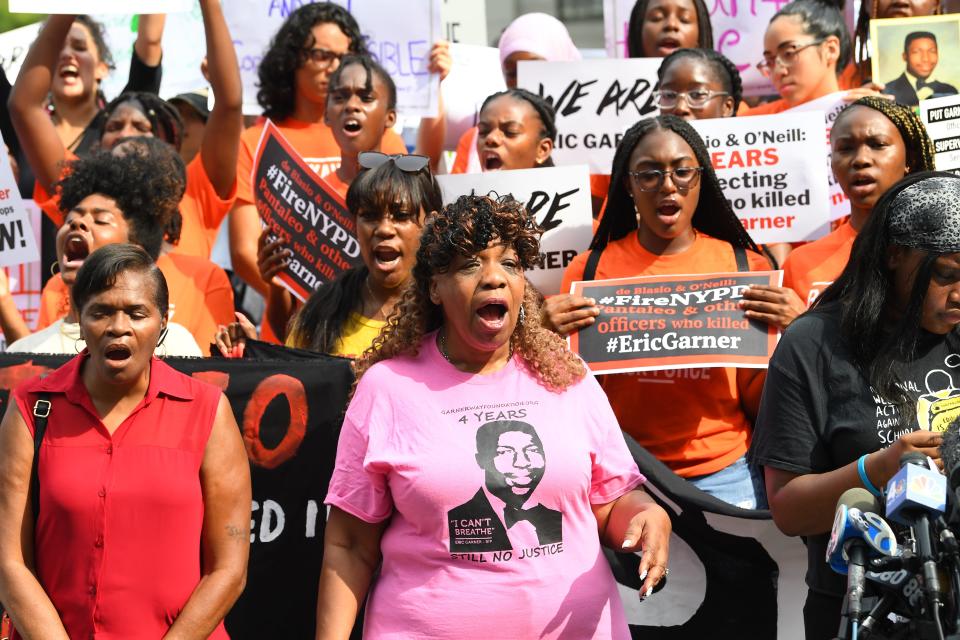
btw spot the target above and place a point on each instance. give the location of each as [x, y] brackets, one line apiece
[738, 484]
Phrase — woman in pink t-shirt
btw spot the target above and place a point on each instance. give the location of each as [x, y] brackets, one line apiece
[478, 460]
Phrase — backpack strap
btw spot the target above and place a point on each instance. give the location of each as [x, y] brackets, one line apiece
[590, 270]
[740, 255]
[41, 411]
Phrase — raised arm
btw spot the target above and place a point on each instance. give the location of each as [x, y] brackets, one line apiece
[29, 607]
[221, 139]
[35, 130]
[147, 46]
[225, 542]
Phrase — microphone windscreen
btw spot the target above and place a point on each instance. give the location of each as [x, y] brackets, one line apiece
[950, 447]
[861, 499]
[913, 457]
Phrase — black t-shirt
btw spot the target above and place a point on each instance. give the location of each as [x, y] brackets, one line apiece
[818, 412]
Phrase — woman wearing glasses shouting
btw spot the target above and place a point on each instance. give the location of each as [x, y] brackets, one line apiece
[666, 214]
[805, 48]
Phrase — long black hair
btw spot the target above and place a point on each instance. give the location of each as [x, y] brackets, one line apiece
[727, 72]
[277, 85]
[319, 324]
[822, 19]
[713, 216]
[864, 291]
[639, 14]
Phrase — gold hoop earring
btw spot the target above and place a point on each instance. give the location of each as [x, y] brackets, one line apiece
[55, 268]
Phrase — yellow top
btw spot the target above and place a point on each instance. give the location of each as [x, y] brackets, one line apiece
[358, 334]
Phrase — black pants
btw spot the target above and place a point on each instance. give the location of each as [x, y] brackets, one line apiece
[821, 616]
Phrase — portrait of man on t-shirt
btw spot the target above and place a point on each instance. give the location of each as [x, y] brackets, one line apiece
[511, 455]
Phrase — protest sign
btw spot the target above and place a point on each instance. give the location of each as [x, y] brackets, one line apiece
[14, 45]
[24, 278]
[616, 21]
[831, 105]
[475, 74]
[18, 243]
[942, 119]
[399, 35]
[920, 46]
[93, 7]
[558, 198]
[777, 188]
[464, 22]
[674, 322]
[299, 206]
[596, 101]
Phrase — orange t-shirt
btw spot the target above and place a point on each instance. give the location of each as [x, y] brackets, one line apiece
[201, 208]
[811, 268]
[201, 297]
[690, 419]
[313, 141]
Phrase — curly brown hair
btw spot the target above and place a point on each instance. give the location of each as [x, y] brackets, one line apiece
[465, 228]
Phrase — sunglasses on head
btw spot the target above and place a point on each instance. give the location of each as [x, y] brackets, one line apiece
[408, 164]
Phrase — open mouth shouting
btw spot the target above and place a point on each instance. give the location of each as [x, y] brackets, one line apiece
[352, 127]
[667, 45]
[493, 314]
[386, 258]
[69, 73]
[862, 184]
[75, 250]
[668, 211]
[491, 161]
[117, 354]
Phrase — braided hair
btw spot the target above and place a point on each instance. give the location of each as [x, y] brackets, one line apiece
[919, 147]
[639, 15]
[165, 120]
[727, 72]
[822, 19]
[713, 215]
[543, 109]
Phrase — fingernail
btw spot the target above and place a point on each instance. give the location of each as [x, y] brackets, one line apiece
[649, 592]
[643, 575]
[626, 543]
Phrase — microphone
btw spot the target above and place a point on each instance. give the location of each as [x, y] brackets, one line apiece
[950, 454]
[847, 546]
[914, 494]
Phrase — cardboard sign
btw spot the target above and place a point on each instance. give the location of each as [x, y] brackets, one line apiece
[775, 185]
[399, 35]
[596, 101]
[94, 7]
[901, 68]
[475, 74]
[299, 206]
[942, 119]
[464, 22]
[18, 243]
[674, 322]
[558, 198]
[831, 105]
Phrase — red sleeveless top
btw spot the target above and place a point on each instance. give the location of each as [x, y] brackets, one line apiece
[117, 542]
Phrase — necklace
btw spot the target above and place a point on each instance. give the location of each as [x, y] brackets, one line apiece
[442, 344]
[378, 314]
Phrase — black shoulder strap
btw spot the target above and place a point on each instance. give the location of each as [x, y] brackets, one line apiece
[41, 411]
[740, 254]
[590, 270]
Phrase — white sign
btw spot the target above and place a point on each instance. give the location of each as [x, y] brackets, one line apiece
[17, 240]
[99, 6]
[465, 21]
[738, 28]
[777, 187]
[616, 21]
[596, 101]
[831, 105]
[559, 199]
[14, 45]
[399, 35]
[942, 119]
[184, 47]
[24, 278]
[475, 74]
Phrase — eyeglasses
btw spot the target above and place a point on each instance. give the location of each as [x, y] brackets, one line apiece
[323, 57]
[652, 179]
[696, 99]
[407, 164]
[785, 58]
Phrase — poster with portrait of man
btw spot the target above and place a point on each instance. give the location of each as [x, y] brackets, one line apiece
[915, 58]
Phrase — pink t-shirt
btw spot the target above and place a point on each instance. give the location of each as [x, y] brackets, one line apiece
[488, 481]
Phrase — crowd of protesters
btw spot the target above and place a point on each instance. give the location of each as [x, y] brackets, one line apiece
[144, 466]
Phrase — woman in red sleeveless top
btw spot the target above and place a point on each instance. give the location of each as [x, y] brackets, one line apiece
[144, 487]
